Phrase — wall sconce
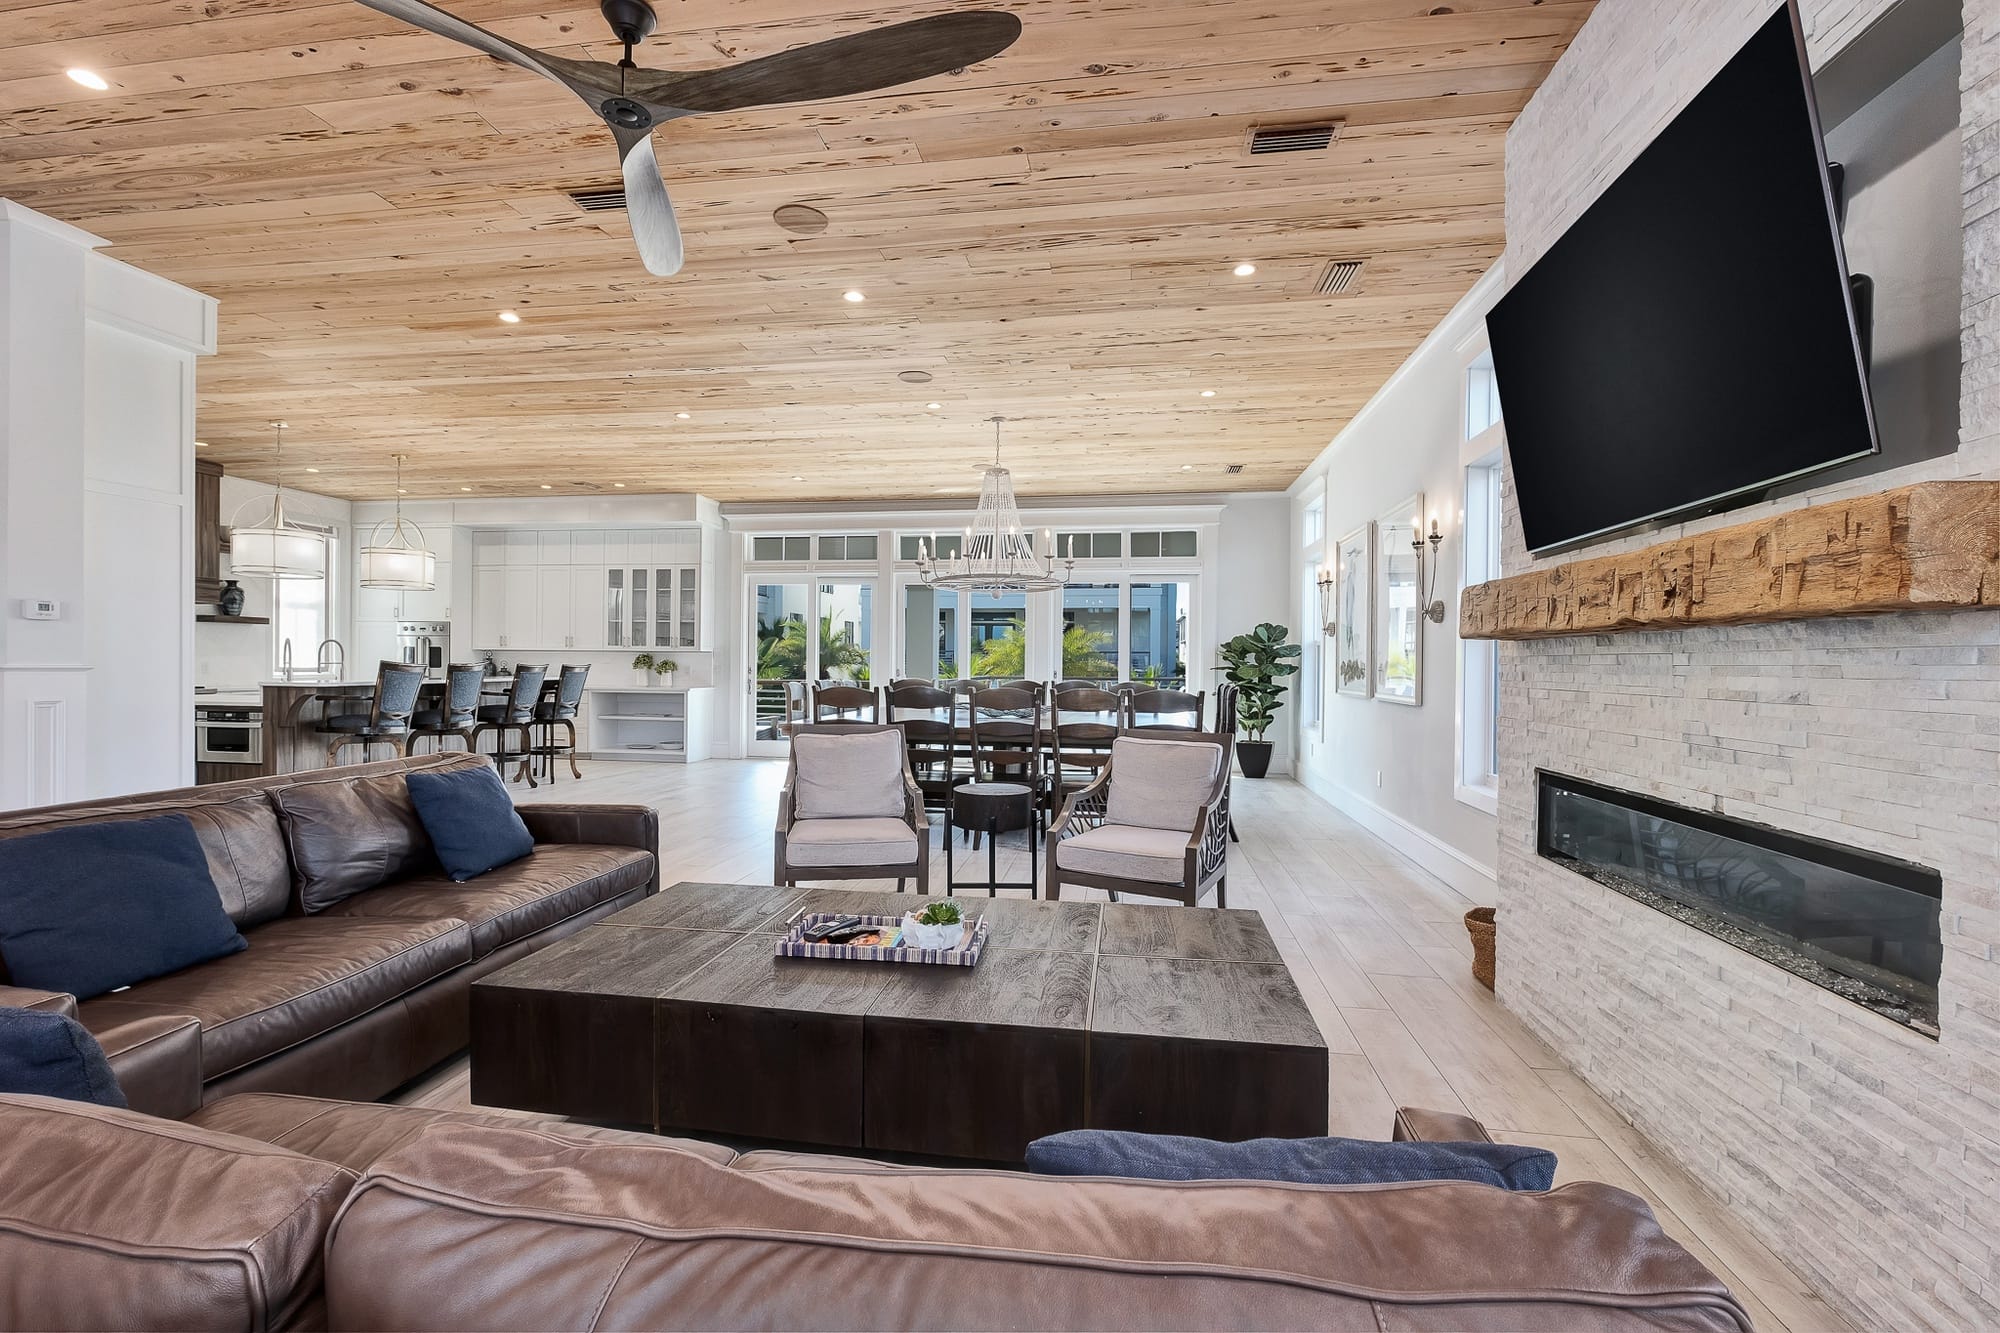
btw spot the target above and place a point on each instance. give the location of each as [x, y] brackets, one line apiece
[1432, 604]
[1326, 625]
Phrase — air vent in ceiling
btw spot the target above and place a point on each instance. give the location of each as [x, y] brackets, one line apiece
[599, 198]
[1234, 469]
[1338, 276]
[1293, 138]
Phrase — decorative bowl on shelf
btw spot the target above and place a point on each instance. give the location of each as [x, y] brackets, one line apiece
[920, 936]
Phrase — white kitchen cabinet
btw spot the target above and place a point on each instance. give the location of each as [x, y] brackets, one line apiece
[590, 589]
[377, 603]
[489, 548]
[520, 617]
[489, 607]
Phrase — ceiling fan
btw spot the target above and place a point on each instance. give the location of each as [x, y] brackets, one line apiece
[632, 101]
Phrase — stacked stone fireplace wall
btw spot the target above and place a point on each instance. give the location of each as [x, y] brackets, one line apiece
[1866, 1155]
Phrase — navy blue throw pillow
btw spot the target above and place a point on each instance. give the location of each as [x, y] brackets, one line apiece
[472, 823]
[92, 907]
[1103, 1152]
[53, 1055]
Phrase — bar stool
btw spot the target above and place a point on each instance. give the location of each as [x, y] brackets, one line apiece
[560, 709]
[387, 721]
[456, 713]
[514, 716]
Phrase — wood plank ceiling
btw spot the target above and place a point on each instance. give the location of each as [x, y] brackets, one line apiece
[1050, 235]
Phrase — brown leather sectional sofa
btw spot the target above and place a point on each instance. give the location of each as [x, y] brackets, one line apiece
[355, 1000]
[269, 1211]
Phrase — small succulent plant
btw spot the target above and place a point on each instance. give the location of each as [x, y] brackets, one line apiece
[944, 913]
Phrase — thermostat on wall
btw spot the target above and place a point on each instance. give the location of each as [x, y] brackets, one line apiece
[40, 608]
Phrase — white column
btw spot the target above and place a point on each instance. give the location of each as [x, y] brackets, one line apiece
[97, 496]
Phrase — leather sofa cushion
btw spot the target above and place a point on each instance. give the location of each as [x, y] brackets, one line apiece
[239, 834]
[355, 1134]
[52, 1055]
[348, 835]
[550, 884]
[301, 976]
[114, 1219]
[470, 1226]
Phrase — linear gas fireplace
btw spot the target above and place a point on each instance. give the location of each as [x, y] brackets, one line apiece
[1863, 926]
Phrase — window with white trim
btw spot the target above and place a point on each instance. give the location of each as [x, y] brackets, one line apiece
[302, 610]
[1478, 781]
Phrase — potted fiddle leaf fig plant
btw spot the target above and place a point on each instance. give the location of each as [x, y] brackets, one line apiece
[1258, 664]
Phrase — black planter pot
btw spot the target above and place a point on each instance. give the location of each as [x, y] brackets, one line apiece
[231, 601]
[1254, 757]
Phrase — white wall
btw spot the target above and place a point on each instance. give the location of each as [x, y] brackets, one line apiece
[1389, 765]
[97, 482]
[1251, 588]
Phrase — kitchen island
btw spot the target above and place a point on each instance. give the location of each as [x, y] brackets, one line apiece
[294, 709]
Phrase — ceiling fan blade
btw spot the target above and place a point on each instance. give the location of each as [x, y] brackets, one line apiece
[654, 229]
[587, 79]
[862, 62]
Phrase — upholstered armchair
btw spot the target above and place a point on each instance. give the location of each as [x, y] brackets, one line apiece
[850, 809]
[1155, 822]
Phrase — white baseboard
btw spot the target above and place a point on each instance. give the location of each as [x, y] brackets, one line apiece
[1470, 877]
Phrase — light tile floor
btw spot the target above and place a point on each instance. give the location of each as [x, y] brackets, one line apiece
[1376, 943]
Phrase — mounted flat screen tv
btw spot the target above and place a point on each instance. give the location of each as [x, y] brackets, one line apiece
[1691, 340]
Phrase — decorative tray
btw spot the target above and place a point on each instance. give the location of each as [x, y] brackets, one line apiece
[793, 944]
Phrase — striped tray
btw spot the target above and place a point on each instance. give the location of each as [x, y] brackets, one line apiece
[793, 944]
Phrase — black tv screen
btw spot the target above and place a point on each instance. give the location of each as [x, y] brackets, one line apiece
[1691, 339]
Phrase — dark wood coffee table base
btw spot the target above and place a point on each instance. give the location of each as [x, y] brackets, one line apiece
[673, 1014]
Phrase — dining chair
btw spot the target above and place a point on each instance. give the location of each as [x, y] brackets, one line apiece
[1038, 688]
[1225, 722]
[846, 704]
[1078, 683]
[560, 709]
[795, 706]
[455, 713]
[928, 719]
[1082, 725]
[1005, 727]
[513, 718]
[900, 681]
[387, 721]
[1164, 712]
[964, 687]
[1154, 822]
[850, 809]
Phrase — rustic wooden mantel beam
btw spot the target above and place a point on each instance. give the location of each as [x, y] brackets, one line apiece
[1934, 546]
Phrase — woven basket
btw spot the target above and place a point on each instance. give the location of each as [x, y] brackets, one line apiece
[1479, 925]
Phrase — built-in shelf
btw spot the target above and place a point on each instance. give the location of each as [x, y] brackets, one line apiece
[232, 620]
[1934, 546]
[672, 724]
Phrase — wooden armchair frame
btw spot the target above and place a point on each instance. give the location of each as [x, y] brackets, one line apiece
[1205, 859]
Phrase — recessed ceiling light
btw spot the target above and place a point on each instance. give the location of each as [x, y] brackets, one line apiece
[401, 491]
[682, 416]
[1208, 393]
[853, 296]
[465, 488]
[89, 79]
[509, 317]
[798, 478]
[1245, 270]
[312, 469]
[619, 484]
[201, 444]
[934, 407]
[547, 487]
[1187, 467]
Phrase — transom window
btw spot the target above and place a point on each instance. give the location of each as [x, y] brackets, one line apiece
[851, 547]
[781, 548]
[1163, 545]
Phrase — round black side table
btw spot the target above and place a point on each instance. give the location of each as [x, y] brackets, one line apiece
[991, 807]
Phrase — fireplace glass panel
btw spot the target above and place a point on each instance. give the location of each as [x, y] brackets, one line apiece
[1862, 925]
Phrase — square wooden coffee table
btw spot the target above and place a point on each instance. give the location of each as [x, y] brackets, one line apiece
[674, 1014]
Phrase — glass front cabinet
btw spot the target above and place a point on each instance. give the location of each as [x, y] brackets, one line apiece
[652, 606]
